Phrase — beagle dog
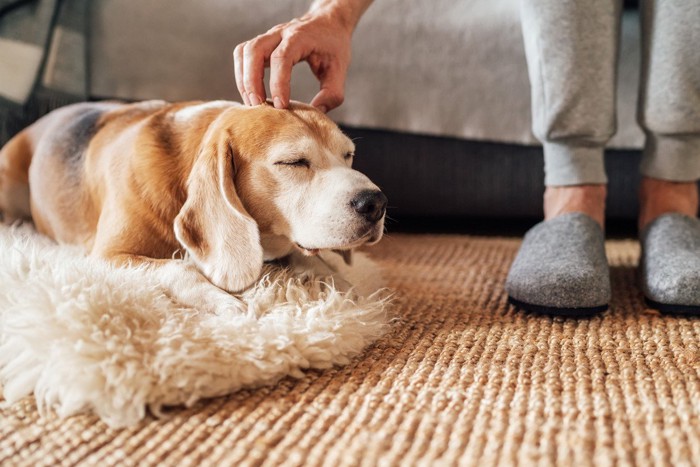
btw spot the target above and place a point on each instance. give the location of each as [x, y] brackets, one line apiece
[230, 185]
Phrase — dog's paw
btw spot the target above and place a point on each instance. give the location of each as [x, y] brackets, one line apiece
[232, 278]
[322, 265]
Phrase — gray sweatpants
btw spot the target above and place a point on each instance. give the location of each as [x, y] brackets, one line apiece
[572, 47]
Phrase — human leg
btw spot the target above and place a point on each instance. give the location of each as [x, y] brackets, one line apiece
[669, 113]
[571, 48]
[669, 108]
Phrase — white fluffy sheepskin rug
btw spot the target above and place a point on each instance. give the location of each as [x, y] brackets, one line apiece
[83, 335]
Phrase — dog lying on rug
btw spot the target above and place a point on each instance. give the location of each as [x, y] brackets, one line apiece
[229, 185]
[133, 185]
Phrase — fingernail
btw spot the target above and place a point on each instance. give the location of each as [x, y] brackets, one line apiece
[278, 102]
[254, 99]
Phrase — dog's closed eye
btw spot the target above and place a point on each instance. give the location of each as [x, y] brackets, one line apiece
[300, 162]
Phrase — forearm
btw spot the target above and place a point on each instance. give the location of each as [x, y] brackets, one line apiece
[347, 12]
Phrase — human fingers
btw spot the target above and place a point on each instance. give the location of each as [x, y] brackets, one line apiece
[282, 60]
[255, 53]
[238, 72]
[332, 93]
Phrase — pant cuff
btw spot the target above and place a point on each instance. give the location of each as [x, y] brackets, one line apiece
[675, 158]
[566, 164]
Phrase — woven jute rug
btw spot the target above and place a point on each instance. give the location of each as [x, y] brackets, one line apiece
[461, 378]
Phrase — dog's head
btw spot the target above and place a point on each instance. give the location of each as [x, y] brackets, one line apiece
[284, 173]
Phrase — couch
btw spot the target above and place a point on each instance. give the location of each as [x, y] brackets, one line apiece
[437, 95]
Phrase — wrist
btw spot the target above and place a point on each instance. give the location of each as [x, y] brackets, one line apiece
[344, 13]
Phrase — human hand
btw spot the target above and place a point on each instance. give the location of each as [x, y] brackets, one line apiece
[322, 38]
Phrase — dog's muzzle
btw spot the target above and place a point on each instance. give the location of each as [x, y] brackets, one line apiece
[370, 205]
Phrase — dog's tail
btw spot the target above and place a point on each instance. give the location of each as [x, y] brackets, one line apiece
[15, 158]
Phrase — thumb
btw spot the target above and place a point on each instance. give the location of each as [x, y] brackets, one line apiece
[332, 92]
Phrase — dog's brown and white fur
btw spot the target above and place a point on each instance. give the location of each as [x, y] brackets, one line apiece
[230, 185]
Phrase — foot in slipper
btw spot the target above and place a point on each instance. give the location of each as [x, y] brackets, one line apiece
[561, 268]
[670, 264]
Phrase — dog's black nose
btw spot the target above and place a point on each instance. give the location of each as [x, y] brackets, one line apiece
[370, 204]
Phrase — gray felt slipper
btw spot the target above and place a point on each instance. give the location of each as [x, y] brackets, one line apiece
[561, 268]
[670, 264]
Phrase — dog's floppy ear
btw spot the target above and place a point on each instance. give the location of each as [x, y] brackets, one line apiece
[213, 226]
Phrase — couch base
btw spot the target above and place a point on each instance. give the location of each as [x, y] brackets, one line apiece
[426, 176]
